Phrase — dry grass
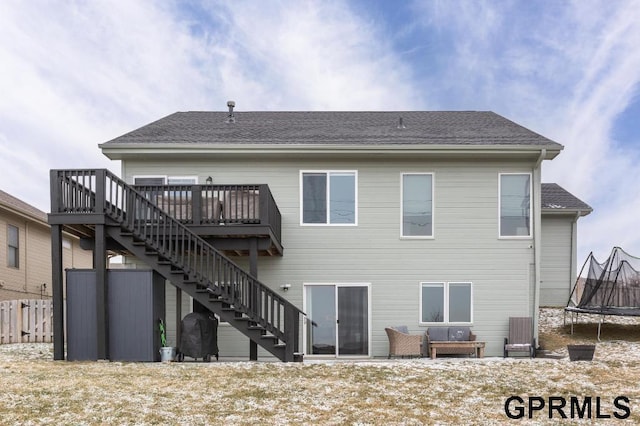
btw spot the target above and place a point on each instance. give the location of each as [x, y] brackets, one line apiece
[37, 390]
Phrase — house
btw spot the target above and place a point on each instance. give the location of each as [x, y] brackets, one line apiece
[25, 251]
[348, 221]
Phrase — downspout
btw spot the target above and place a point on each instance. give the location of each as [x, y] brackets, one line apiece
[574, 253]
[537, 239]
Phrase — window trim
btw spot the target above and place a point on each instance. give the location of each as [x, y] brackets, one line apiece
[433, 210]
[515, 237]
[16, 248]
[445, 285]
[328, 173]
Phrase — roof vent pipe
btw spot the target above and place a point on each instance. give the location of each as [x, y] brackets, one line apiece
[231, 118]
[401, 124]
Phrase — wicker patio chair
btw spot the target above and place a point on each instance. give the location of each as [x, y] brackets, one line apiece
[520, 336]
[403, 344]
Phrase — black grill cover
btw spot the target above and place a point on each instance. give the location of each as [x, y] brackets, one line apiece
[199, 335]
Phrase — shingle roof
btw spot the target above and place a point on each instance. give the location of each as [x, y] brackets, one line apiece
[19, 206]
[302, 128]
[554, 197]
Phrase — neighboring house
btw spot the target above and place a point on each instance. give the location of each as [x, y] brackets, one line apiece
[375, 219]
[25, 251]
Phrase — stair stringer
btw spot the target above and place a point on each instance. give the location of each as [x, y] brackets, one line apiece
[204, 294]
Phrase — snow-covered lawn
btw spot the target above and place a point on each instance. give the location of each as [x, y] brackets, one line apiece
[37, 390]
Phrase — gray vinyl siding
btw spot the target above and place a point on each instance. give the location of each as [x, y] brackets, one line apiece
[465, 246]
[556, 275]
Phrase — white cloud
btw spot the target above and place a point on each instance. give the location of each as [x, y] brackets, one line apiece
[310, 56]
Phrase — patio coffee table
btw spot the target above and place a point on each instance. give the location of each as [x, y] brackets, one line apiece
[478, 346]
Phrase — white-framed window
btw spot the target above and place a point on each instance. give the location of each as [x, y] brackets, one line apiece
[329, 197]
[182, 180]
[13, 246]
[166, 180]
[514, 205]
[149, 180]
[446, 302]
[416, 205]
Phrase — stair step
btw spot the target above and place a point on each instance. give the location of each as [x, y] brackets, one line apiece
[269, 337]
[139, 243]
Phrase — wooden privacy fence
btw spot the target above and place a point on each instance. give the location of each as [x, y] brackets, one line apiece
[26, 321]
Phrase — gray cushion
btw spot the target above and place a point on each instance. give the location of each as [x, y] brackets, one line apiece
[459, 333]
[438, 333]
[402, 329]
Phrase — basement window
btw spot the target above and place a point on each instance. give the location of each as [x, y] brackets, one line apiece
[446, 302]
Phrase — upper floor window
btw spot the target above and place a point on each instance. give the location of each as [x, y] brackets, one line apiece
[417, 205]
[151, 181]
[515, 205]
[329, 198]
[13, 246]
[446, 302]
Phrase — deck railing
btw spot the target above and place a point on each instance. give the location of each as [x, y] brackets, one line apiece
[217, 204]
[101, 192]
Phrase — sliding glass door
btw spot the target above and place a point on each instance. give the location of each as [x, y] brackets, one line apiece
[338, 319]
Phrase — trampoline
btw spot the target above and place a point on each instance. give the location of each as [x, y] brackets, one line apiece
[609, 288]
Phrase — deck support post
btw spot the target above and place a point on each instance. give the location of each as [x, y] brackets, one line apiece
[58, 292]
[100, 265]
[253, 270]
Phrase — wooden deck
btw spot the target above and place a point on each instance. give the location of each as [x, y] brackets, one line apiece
[236, 219]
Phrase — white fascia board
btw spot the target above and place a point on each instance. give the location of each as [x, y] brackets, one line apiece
[119, 152]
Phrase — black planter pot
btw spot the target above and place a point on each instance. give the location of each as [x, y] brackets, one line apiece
[581, 352]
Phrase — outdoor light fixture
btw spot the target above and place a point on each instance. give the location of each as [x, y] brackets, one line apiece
[285, 287]
[209, 180]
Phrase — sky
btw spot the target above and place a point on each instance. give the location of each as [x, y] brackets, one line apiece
[74, 74]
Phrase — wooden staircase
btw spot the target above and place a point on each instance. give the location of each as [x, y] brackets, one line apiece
[83, 198]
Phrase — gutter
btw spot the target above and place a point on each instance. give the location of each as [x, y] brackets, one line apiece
[124, 151]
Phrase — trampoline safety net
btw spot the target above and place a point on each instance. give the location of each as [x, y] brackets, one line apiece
[611, 287]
